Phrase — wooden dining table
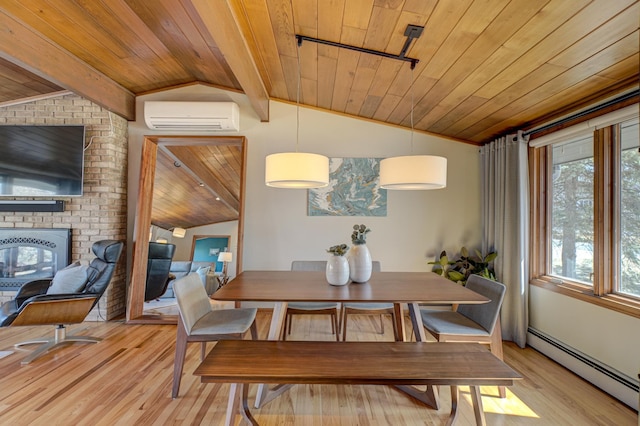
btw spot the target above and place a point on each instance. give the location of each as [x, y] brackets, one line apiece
[282, 287]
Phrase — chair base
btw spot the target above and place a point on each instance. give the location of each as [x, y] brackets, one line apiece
[59, 338]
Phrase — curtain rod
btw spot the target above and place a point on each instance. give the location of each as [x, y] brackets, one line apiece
[583, 113]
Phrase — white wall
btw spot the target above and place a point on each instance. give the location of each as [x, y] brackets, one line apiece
[609, 337]
[277, 230]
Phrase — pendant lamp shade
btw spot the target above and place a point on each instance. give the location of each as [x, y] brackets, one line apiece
[296, 170]
[179, 232]
[413, 172]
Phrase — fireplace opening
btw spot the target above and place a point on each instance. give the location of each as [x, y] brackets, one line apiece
[31, 254]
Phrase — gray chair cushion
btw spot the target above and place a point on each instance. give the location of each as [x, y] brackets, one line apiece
[474, 319]
[312, 306]
[367, 306]
[485, 314]
[193, 302]
[449, 322]
[69, 280]
[225, 321]
[199, 318]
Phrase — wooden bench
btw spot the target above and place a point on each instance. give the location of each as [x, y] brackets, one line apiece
[365, 363]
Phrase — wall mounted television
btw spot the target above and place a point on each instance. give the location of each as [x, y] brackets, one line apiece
[41, 161]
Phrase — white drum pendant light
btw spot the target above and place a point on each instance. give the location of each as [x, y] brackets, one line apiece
[413, 171]
[297, 169]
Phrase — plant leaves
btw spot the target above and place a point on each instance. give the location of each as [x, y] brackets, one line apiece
[455, 276]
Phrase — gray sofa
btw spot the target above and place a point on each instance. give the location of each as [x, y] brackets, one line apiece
[180, 268]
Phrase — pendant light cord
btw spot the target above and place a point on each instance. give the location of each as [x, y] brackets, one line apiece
[298, 99]
[411, 89]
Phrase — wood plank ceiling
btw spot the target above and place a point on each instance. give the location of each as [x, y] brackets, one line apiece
[196, 185]
[485, 67]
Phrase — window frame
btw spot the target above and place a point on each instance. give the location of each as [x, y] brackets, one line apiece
[602, 292]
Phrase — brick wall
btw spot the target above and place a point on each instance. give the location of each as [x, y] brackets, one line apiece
[101, 212]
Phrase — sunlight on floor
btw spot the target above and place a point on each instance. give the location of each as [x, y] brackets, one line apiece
[492, 403]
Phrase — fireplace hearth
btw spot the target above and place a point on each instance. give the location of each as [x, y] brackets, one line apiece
[32, 254]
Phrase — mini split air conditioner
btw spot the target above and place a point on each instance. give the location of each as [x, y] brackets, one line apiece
[192, 116]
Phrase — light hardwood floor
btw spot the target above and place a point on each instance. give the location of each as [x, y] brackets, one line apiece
[126, 380]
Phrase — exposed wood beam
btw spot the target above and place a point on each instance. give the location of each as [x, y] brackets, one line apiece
[31, 51]
[223, 25]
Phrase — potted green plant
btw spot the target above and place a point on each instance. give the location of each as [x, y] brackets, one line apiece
[459, 269]
[360, 265]
[359, 234]
[338, 250]
[337, 271]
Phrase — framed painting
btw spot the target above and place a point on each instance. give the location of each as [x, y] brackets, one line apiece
[353, 190]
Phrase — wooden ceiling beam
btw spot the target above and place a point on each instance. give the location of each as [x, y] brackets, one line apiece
[30, 50]
[223, 25]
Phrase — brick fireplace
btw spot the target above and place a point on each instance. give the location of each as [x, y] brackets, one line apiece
[101, 212]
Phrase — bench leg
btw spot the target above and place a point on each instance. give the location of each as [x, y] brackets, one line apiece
[454, 406]
[238, 395]
[478, 410]
[244, 407]
[428, 396]
[275, 331]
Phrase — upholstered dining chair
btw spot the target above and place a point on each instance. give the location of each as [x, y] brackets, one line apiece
[471, 323]
[311, 308]
[199, 322]
[380, 309]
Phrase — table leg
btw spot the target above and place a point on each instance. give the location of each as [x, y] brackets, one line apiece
[232, 404]
[416, 322]
[399, 325]
[275, 331]
[478, 409]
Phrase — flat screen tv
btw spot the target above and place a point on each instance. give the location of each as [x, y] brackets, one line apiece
[41, 161]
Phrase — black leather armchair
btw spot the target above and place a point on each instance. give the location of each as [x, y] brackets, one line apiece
[158, 267]
[32, 306]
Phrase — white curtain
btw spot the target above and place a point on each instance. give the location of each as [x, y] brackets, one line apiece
[505, 215]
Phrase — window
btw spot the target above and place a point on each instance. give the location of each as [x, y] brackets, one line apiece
[585, 199]
[629, 214]
[572, 210]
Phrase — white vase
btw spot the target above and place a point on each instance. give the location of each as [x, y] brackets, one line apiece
[337, 270]
[360, 263]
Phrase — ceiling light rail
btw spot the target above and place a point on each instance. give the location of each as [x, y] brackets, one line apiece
[412, 32]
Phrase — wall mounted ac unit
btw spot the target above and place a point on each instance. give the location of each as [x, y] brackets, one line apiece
[192, 116]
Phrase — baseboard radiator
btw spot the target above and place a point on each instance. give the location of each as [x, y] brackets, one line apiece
[615, 383]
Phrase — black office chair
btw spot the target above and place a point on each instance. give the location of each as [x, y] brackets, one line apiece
[158, 267]
[33, 306]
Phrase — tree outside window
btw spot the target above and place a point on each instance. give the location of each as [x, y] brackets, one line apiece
[572, 210]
